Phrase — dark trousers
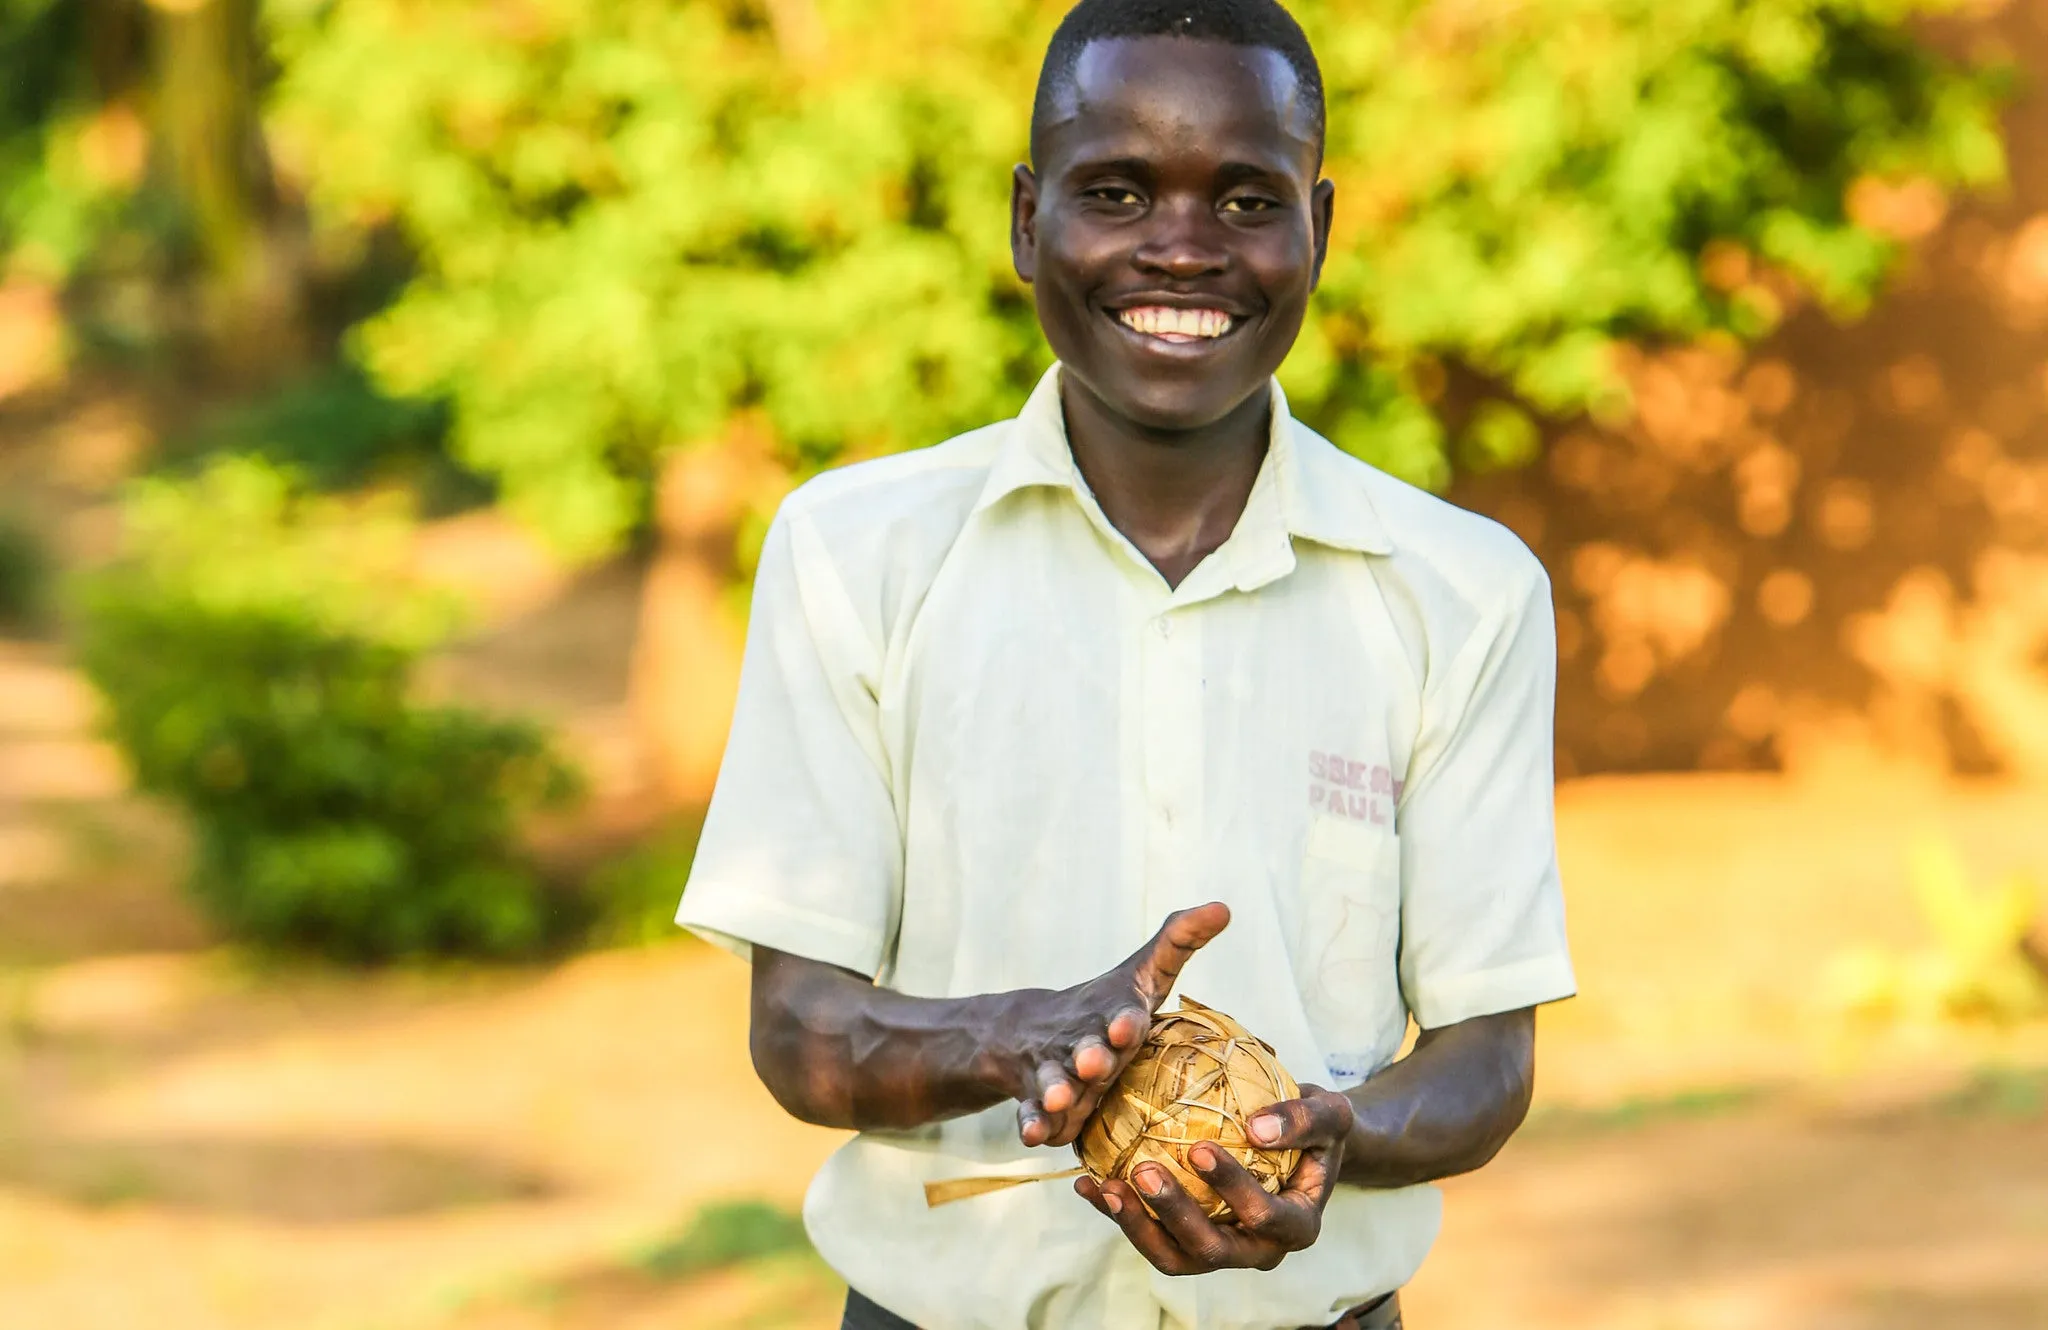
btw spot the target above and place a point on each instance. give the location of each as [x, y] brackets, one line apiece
[864, 1315]
[861, 1314]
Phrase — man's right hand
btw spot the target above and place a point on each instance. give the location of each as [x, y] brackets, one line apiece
[1064, 1049]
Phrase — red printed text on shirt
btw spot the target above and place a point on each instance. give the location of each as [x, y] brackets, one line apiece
[1361, 791]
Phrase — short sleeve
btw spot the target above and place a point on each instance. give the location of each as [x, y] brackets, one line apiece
[1482, 910]
[801, 850]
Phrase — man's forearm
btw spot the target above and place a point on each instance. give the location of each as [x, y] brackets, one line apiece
[1447, 1107]
[838, 1051]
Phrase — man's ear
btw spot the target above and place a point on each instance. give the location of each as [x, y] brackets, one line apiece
[1024, 221]
[1321, 207]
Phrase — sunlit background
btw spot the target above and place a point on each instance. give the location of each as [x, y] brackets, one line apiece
[392, 396]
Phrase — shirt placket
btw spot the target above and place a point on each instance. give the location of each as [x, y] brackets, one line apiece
[1170, 689]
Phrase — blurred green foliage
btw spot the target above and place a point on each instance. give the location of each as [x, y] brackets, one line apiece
[636, 221]
[633, 897]
[44, 207]
[1635, 1111]
[255, 646]
[1978, 967]
[75, 154]
[334, 429]
[24, 573]
[724, 1234]
[2000, 1092]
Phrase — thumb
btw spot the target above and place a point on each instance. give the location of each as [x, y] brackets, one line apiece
[1319, 1117]
[1185, 932]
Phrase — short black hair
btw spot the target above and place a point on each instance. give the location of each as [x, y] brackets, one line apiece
[1261, 24]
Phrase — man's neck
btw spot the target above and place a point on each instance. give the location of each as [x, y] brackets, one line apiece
[1176, 495]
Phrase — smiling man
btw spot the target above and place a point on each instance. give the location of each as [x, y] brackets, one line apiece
[1151, 650]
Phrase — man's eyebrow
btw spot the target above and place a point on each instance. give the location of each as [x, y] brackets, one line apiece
[1229, 173]
[1232, 172]
[1131, 166]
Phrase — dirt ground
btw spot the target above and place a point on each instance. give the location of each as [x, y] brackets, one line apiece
[192, 1141]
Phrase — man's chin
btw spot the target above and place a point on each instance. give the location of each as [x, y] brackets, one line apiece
[1178, 408]
[1168, 403]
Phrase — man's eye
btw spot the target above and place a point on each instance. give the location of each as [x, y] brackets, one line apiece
[1248, 203]
[1116, 194]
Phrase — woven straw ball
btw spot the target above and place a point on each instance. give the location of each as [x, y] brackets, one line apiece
[1198, 1077]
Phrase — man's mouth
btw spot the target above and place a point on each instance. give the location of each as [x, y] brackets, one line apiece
[1176, 325]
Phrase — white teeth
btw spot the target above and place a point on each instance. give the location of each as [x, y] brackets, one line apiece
[1177, 325]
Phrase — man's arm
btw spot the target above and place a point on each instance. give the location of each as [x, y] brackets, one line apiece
[836, 1050]
[1446, 1108]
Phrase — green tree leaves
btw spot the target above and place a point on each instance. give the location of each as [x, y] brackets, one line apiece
[637, 221]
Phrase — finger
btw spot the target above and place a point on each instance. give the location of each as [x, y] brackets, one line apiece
[1144, 1232]
[1202, 1238]
[1090, 1191]
[1068, 1126]
[1094, 1061]
[1249, 1202]
[1290, 1223]
[1185, 932]
[1065, 1128]
[1127, 1028]
[1056, 1094]
[1320, 1117]
[1307, 1189]
[1033, 1126]
[1313, 1177]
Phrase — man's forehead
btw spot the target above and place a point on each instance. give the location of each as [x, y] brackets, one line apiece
[1168, 82]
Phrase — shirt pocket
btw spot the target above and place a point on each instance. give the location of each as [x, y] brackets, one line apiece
[1348, 946]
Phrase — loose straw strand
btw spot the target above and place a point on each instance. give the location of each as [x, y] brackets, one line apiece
[960, 1189]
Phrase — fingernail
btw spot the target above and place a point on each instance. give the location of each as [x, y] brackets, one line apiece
[1265, 1129]
[1152, 1180]
[1204, 1156]
[1109, 1199]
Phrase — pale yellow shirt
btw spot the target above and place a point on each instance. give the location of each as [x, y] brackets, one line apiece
[981, 745]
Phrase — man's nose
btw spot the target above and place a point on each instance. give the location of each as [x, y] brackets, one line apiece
[1184, 240]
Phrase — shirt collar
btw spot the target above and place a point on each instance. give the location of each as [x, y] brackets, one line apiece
[1034, 450]
[1306, 488]
[1321, 488]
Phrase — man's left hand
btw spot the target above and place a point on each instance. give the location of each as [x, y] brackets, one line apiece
[1264, 1228]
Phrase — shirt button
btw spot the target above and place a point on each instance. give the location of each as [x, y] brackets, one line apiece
[1165, 626]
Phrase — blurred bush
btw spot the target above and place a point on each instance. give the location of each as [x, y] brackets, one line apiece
[642, 224]
[255, 646]
[331, 427]
[1981, 967]
[633, 897]
[24, 573]
[337, 431]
